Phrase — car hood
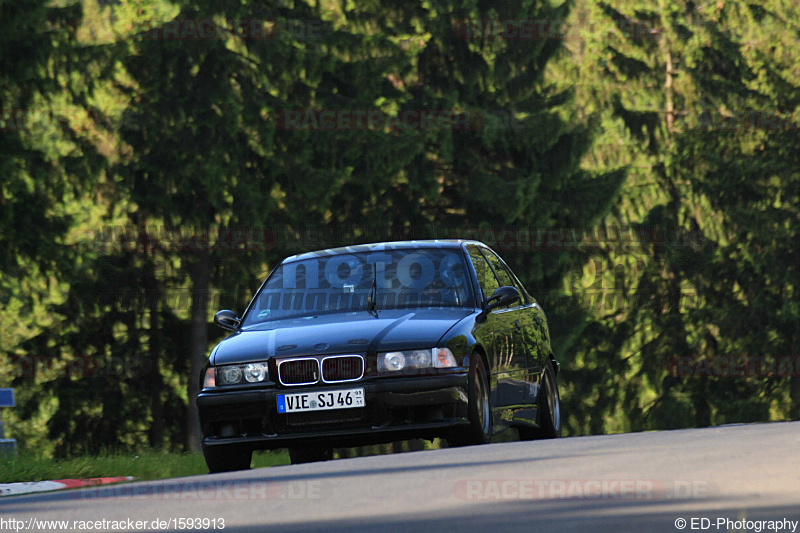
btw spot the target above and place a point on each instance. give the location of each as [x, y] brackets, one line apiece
[351, 332]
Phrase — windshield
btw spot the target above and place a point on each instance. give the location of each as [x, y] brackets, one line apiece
[406, 278]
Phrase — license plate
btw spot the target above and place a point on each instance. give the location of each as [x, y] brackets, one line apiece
[320, 401]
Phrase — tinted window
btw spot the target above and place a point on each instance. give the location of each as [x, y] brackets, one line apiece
[406, 278]
[486, 277]
[499, 269]
[502, 272]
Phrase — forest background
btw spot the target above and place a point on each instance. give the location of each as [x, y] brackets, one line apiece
[637, 164]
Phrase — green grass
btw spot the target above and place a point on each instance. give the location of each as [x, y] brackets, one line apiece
[142, 466]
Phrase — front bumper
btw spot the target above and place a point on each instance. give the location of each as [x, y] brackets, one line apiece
[396, 408]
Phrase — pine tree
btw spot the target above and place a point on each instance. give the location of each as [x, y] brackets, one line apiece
[662, 80]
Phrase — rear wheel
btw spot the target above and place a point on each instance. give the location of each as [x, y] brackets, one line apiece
[299, 456]
[479, 410]
[226, 458]
[549, 409]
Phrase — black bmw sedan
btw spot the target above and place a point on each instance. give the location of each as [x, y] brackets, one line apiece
[376, 343]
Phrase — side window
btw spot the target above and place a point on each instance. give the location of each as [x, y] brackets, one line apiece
[486, 277]
[502, 276]
[505, 277]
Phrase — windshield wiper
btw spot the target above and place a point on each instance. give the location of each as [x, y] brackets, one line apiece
[372, 305]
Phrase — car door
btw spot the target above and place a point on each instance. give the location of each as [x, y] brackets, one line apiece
[533, 341]
[492, 335]
[516, 386]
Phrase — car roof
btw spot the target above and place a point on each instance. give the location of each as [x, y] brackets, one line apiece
[377, 246]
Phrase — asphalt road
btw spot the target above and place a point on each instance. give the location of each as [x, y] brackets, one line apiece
[631, 482]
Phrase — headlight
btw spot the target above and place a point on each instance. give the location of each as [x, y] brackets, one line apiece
[255, 372]
[393, 361]
[235, 374]
[430, 358]
[230, 374]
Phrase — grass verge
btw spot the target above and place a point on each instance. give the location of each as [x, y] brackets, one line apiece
[142, 466]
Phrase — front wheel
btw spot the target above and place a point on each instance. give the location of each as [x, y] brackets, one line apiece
[549, 408]
[226, 458]
[478, 409]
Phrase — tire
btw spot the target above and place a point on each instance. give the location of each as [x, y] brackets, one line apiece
[299, 456]
[549, 409]
[479, 410]
[226, 458]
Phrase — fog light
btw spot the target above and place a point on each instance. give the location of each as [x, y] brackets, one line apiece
[394, 361]
[230, 374]
[255, 372]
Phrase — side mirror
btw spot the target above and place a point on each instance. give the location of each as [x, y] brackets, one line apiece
[501, 297]
[227, 320]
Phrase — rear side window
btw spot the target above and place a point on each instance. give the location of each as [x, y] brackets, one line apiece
[499, 269]
[504, 275]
